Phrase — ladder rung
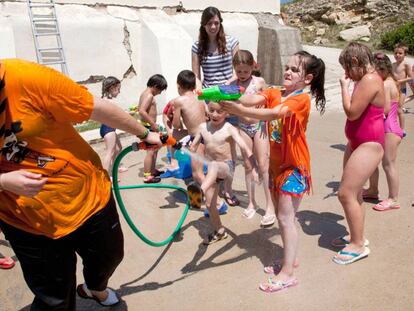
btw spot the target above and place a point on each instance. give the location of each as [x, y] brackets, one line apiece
[44, 19]
[49, 49]
[53, 63]
[41, 5]
[47, 34]
[43, 15]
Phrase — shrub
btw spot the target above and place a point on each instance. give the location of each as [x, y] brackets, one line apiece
[403, 34]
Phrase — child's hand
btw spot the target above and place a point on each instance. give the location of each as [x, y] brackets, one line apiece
[232, 107]
[345, 81]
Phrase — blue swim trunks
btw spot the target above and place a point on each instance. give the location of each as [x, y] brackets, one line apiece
[295, 184]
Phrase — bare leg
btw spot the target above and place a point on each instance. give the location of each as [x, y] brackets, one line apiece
[261, 152]
[359, 166]
[390, 166]
[148, 161]
[287, 208]
[197, 166]
[373, 184]
[248, 174]
[110, 144]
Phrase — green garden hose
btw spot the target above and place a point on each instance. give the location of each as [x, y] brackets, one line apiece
[118, 197]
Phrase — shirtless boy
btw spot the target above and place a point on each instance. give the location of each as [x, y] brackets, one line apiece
[147, 109]
[191, 111]
[402, 72]
[219, 138]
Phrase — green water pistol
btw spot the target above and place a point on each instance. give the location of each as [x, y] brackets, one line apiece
[221, 92]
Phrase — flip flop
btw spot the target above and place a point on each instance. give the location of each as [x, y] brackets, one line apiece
[354, 257]
[85, 293]
[157, 173]
[276, 286]
[6, 263]
[249, 212]
[152, 179]
[343, 241]
[386, 205]
[171, 173]
[268, 220]
[231, 200]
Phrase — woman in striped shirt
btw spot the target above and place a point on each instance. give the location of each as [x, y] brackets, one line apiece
[213, 51]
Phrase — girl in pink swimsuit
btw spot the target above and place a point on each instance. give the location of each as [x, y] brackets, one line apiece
[393, 137]
[365, 132]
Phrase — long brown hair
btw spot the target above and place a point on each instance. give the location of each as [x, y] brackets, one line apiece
[203, 40]
[383, 63]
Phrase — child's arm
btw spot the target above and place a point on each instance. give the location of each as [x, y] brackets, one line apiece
[144, 107]
[388, 90]
[176, 123]
[363, 95]
[196, 141]
[265, 114]
[195, 67]
[252, 100]
[167, 124]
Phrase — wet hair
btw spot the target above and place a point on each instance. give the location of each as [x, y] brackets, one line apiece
[383, 64]
[316, 67]
[107, 84]
[244, 57]
[157, 81]
[356, 52]
[187, 80]
[401, 46]
[203, 39]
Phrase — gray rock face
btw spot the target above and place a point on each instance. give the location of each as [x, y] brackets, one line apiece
[336, 16]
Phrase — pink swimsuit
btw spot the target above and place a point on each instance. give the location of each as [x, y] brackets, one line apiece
[391, 124]
[369, 127]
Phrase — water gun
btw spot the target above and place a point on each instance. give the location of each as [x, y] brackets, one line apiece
[133, 108]
[166, 140]
[221, 92]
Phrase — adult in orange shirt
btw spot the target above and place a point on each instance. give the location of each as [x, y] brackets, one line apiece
[56, 197]
[290, 177]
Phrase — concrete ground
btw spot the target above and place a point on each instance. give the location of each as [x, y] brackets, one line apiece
[186, 275]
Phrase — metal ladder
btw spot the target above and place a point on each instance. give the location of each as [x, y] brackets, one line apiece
[46, 34]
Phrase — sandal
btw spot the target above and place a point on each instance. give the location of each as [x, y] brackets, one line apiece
[386, 205]
[85, 293]
[151, 179]
[249, 212]
[215, 237]
[231, 200]
[268, 220]
[276, 286]
[6, 263]
[353, 257]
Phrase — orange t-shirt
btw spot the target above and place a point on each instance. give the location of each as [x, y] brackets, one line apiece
[288, 146]
[42, 105]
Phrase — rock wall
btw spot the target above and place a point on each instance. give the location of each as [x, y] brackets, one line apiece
[322, 21]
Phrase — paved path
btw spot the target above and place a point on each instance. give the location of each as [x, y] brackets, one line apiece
[188, 276]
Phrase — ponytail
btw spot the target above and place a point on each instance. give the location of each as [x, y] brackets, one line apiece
[316, 67]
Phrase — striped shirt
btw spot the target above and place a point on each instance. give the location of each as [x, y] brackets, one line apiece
[217, 69]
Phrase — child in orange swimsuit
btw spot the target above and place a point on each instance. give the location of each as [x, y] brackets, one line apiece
[365, 132]
[288, 115]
